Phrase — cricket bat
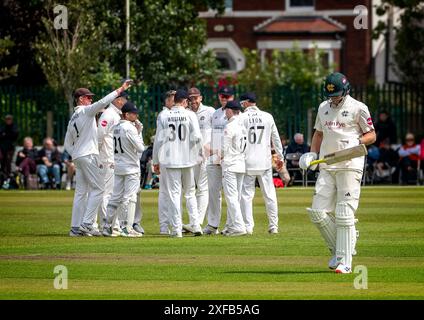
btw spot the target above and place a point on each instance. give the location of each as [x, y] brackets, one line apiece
[342, 155]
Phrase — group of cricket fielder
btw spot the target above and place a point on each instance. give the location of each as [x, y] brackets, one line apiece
[199, 152]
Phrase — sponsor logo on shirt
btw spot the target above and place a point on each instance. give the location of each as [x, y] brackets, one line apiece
[104, 123]
[345, 113]
[335, 124]
[369, 121]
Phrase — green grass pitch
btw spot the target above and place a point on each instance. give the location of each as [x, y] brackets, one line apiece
[290, 265]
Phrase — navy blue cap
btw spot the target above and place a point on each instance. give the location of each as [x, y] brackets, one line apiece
[234, 105]
[250, 96]
[181, 94]
[129, 107]
[228, 91]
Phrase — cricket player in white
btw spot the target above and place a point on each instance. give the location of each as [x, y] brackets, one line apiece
[128, 145]
[107, 121]
[163, 201]
[213, 168]
[204, 116]
[81, 142]
[233, 167]
[342, 122]
[261, 132]
[177, 148]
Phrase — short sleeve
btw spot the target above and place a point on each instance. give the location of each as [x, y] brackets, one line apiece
[318, 125]
[364, 119]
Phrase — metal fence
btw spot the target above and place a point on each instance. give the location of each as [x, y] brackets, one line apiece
[39, 111]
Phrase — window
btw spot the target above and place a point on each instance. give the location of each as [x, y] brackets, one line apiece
[228, 54]
[228, 5]
[300, 5]
[225, 61]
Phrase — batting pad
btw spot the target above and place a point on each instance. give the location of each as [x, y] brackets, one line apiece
[346, 233]
[325, 225]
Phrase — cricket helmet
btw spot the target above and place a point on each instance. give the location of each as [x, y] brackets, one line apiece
[336, 85]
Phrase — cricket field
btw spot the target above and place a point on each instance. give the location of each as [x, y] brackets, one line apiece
[290, 265]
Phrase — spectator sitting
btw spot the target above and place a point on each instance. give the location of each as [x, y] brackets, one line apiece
[385, 128]
[284, 143]
[387, 162]
[25, 159]
[409, 155]
[8, 137]
[70, 169]
[49, 163]
[299, 147]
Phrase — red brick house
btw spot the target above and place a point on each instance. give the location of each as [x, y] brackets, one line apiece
[276, 24]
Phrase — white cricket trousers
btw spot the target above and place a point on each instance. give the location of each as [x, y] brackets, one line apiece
[214, 173]
[232, 184]
[202, 190]
[270, 197]
[339, 191]
[109, 175]
[163, 201]
[138, 213]
[88, 190]
[181, 179]
[125, 190]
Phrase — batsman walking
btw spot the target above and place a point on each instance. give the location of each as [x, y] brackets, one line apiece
[342, 122]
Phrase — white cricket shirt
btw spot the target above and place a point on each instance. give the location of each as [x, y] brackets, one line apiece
[219, 121]
[261, 132]
[81, 134]
[128, 146]
[342, 126]
[107, 121]
[234, 146]
[178, 139]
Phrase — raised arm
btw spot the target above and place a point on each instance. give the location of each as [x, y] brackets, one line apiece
[94, 108]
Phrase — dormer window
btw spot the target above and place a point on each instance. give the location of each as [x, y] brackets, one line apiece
[300, 5]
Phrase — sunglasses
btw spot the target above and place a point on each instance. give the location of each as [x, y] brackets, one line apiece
[224, 96]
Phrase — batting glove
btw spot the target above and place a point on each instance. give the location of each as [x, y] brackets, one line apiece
[306, 159]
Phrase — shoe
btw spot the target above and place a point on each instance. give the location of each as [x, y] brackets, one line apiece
[134, 234]
[164, 231]
[125, 233]
[176, 234]
[235, 233]
[75, 233]
[187, 228]
[89, 231]
[68, 186]
[138, 228]
[249, 231]
[332, 264]
[197, 231]
[273, 230]
[224, 231]
[341, 268]
[116, 232]
[108, 232]
[210, 230]
[147, 187]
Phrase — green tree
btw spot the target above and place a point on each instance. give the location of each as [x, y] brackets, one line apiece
[6, 71]
[73, 57]
[168, 40]
[292, 68]
[409, 38]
